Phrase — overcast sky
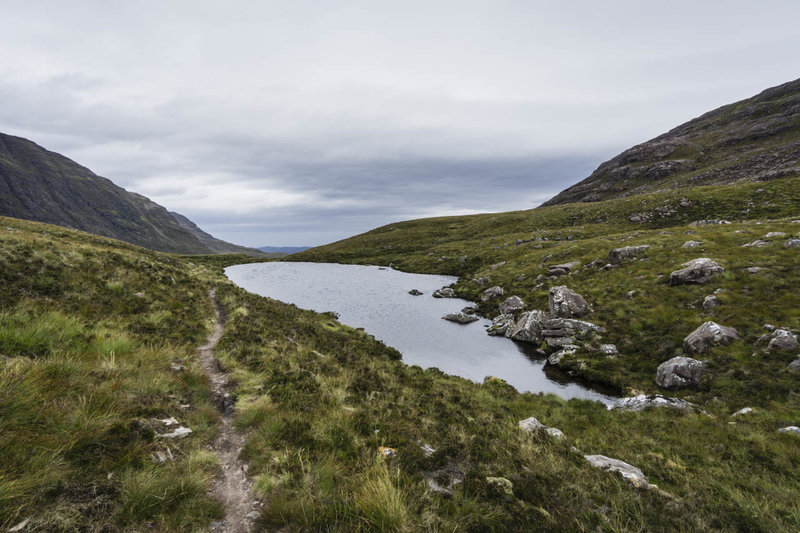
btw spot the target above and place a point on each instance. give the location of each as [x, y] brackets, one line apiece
[300, 123]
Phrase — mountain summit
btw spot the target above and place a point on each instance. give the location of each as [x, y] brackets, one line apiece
[40, 185]
[757, 139]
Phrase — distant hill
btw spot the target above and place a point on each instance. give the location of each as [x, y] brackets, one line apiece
[40, 185]
[757, 139]
[283, 249]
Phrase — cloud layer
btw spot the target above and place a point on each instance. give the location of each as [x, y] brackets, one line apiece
[292, 123]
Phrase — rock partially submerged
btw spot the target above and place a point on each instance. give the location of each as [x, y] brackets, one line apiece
[444, 292]
[460, 318]
[642, 402]
[529, 327]
[415, 292]
[708, 335]
[501, 325]
[680, 372]
[566, 303]
[618, 255]
[697, 270]
[633, 475]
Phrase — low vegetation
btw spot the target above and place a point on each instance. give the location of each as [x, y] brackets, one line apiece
[342, 436]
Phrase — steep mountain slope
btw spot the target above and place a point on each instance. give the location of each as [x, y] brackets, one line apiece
[36, 184]
[757, 139]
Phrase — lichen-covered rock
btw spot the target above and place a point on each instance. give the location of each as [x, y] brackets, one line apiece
[691, 244]
[773, 235]
[743, 411]
[710, 302]
[529, 327]
[642, 402]
[556, 358]
[792, 243]
[511, 305]
[631, 474]
[779, 340]
[794, 366]
[531, 425]
[680, 372]
[555, 433]
[501, 326]
[444, 292]
[608, 349]
[564, 268]
[790, 430]
[566, 303]
[707, 335]
[491, 293]
[618, 255]
[460, 318]
[697, 270]
[710, 222]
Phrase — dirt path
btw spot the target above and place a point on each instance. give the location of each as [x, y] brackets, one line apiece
[232, 487]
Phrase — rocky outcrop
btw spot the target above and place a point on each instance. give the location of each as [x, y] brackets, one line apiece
[680, 372]
[501, 326]
[642, 402]
[444, 292]
[618, 255]
[492, 293]
[630, 473]
[708, 335]
[779, 340]
[697, 270]
[528, 327]
[511, 305]
[566, 303]
[460, 318]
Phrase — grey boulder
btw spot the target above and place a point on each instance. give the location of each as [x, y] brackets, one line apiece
[642, 402]
[618, 255]
[444, 292]
[511, 305]
[697, 270]
[630, 473]
[491, 293]
[779, 340]
[528, 327]
[680, 372]
[460, 318]
[566, 303]
[501, 326]
[709, 334]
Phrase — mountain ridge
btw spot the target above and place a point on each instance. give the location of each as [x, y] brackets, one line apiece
[44, 186]
[755, 139]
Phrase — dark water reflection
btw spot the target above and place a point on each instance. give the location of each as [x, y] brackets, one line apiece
[377, 299]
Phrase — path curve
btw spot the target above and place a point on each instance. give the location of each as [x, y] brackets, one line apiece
[232, 487]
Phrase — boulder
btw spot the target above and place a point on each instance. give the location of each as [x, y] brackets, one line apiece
[555, 433]
[710, 302]
[469, 310]
[794, 366]
[691, 244]
[491, 293]
[642, 402]
[444, 292]
[708, 335]
[608, 349]
[566, 303]
[755, 244]
[697, 270]
[460, 318]
[481, 281]
[792, 243]
[631, 474]
[556, 358]
[501, 326]
[618, 255]
[779, 340]
[531, 425]
[711, 222]
[743, 411]
[564, 268]
[511, 305]
[773, 234]
[680, 372]
[790, 430]
[415, 292]
[529, 327]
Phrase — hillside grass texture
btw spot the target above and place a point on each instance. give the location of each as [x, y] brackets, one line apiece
[90, 329]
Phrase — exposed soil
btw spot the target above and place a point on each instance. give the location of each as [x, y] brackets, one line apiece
[233, 487]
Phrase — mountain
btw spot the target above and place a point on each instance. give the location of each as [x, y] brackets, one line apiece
[283, 249]
[757, 139]
[40, 185]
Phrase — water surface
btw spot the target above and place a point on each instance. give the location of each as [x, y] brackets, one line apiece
[377, 299]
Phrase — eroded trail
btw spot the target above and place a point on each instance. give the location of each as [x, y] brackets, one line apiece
[233, 487]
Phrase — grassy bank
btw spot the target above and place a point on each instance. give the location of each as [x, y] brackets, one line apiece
[90, 330]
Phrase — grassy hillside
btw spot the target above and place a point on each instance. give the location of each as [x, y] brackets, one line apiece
[90, 330]
[37, 184]
[757, 139]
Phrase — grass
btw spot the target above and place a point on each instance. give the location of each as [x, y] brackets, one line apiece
[318, 400]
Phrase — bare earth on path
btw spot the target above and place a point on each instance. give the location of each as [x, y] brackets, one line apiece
[232, 487]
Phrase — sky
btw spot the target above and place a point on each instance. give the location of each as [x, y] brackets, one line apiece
[304, 122]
